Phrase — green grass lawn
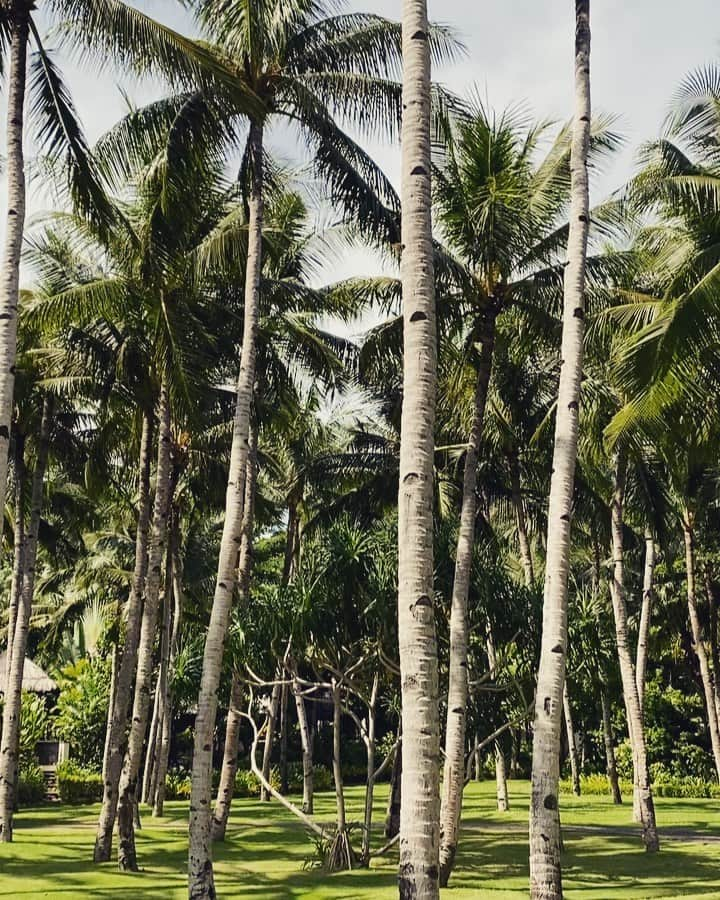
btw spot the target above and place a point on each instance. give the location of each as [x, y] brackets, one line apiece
[264, 854]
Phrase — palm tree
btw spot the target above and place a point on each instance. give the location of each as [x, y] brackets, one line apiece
[545, 869]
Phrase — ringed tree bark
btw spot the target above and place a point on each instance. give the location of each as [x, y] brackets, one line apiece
[18, 547]
[612, 774]
[201, 882]
[10, 741]
[15, 225]
[545, 844]
[648, 596]
[636, 728]
[226, 787]
[572, 744]
[420, 810]
[125, 673]
[127, 797]
[454, 773]
[698, 638]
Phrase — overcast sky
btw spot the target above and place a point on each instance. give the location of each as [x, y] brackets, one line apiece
[518, 51]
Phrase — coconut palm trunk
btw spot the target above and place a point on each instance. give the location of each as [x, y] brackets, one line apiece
[153, 736]
[501, 791]
[226, 787]
[15, 225]
[698, 638]
[572, 743]
[270, 726]
[18, 548]
[641, 776]
[420, 809]
[127, 796]
[306, 743]
[10, 741]
[454, 772]
[523, 539]
[117, 717]
[612, 774]
[648, 596]
[545, 844]
[200, 873]
[158, 799]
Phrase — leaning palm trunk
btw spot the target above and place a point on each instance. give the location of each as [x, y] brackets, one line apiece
[698, 641]
[306, 743]
[572, 745]
[545, 844]
[641, 775]
[420, 809]
[127, 798]
[612, 774]
[117, 716]
[454, 774]
[226, 787]
[200, 873]
[18, 549]
[270, 725]
[10, 743]
[10, 263]
[645, 616]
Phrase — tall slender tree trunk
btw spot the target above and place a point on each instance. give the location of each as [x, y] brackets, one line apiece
[271, 724]
[166, 735]
[228, 772]
[572, 745]
[698, 641]
[454, 773]
[127, 796]
[612, 774]
[545, 843]
[18, 550]
[503, 803]
[201, 882]
[153, 737]
[15, 225]
[523, 539]
[284, 713]
[10, 741]
[645, 616]
[420, 809]
[336, 760]
[711, 591]
[627, 670]
[371, 775]
[306, 743]
[118, 715]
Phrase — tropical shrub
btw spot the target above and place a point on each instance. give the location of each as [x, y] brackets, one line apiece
[595, 785]
[82, 709]
[35, 722]
[31, 785]
[322, 778]
[77, 784]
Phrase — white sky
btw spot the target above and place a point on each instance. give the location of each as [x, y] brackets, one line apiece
[518, 51]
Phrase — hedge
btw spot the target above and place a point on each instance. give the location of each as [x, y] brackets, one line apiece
[78, 785]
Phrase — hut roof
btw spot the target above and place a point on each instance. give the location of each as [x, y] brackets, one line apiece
[35, 679]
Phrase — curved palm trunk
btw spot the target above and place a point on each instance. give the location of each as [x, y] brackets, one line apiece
[118, 716]
[200, 873]
[420, 809]
[572, 745]
[270, 726]
[10, 264]
[612, 774]
[10, 742]
[226, 787]
[127, 796]
[166, 736]
[18, 549]
[627, 670]
[454, 773]
[545, 843]
[645, 616]
[698, 642]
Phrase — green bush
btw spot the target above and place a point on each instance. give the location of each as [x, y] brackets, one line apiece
[322, 778]
[35, 722]
[177, 785]
[82, 709]
[247, 785]
[77, 784]
[691, 787]
[31, 786]
[595, 786]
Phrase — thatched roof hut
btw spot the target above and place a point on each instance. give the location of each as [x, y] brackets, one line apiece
[35, 679]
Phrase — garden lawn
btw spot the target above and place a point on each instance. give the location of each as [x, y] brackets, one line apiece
[267, 852]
